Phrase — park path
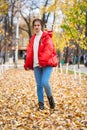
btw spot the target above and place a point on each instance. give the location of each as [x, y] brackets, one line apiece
[82, 68]
[19, 108]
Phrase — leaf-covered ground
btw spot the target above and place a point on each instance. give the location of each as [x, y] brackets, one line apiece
[19, 107]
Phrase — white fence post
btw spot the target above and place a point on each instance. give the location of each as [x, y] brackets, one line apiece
[61, 69]
[67, 67]
[2, 68]
[74, 72]
[6, 65]
[79, 76]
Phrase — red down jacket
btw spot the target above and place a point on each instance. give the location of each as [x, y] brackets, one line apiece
[46, 52]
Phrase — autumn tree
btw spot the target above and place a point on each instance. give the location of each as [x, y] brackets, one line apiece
[75, 23]
[34, 10]
[3, 15]
[73, 17]
[7, 16]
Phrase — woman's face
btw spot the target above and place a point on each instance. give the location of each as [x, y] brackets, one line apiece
[37, 27]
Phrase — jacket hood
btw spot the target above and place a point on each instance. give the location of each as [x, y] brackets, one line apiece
[45, 33]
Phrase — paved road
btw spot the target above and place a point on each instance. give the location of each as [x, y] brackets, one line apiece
[82, 68]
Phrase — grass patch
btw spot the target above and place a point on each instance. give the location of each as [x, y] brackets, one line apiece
[72, 72]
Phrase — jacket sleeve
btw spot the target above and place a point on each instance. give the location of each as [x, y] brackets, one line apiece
[29, 60]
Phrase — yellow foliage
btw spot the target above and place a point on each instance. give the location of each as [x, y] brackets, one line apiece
[51, 8]
[1, 30]
[44, 9]
[59, 41]
[3, 7]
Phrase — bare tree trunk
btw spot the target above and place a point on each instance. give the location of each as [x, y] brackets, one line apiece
[5, 39]
[28, 23]
[45, 16]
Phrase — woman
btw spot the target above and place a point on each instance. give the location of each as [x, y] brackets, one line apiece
[41, 56]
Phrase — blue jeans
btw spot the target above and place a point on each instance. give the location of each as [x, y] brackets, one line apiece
[42, 76]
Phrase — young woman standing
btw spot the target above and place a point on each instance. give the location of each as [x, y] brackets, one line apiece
[41, 56]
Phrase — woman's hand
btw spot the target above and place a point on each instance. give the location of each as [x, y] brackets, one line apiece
[27, 68]
[40, 66]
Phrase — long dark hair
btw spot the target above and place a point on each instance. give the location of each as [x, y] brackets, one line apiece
[38, 20]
